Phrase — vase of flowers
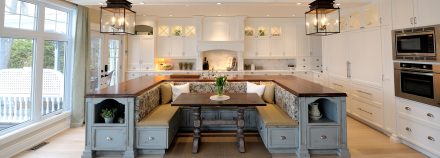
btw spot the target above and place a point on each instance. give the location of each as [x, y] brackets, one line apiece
[220, 82]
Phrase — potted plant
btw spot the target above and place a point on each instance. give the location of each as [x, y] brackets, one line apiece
[220, 82]
[108, 115]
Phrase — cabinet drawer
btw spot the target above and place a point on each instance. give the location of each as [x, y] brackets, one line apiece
[419, 111]
[109, 138]
[368, 94]
[419, 134]
[283, 137]
[151, 138]
[323, 137]
[337, 84]
[262, 130]
[369, 113]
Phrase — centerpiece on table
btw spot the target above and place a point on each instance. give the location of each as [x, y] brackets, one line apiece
[220, 82]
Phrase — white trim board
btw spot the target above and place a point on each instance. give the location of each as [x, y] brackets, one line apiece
[27, 137]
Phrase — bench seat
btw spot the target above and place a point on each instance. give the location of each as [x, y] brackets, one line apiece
[155, 132]
[278, 131]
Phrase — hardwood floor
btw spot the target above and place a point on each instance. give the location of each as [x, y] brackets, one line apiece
[363, 142]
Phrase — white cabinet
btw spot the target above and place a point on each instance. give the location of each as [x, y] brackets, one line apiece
[415, 13]
[176, 47]
[140, 52]
[334, 55]
[263, 46]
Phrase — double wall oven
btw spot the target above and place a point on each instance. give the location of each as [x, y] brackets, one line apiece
[417, 64]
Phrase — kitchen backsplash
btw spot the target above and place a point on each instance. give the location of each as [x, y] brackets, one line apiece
[270, 64]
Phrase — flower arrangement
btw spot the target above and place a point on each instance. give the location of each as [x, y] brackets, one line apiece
[220, 82]
[108, 114]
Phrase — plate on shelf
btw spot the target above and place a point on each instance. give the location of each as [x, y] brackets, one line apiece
[219, 98]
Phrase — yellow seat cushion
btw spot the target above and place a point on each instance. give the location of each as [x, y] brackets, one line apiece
[165, 93]
[273, 116]
[269, 92]
[160, 116]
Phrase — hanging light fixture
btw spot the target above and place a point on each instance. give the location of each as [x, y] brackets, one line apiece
[323, 18]
[118, 18]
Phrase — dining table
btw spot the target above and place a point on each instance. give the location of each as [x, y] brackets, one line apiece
[237, 100]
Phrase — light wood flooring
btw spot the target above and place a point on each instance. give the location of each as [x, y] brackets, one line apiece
[363, 142]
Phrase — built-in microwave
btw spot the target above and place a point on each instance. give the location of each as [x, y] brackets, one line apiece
[418, 82]
[417, 44]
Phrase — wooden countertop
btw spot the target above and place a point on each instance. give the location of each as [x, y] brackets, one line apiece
[295, 85]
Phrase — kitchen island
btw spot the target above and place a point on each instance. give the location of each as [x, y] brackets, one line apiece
[135, 100]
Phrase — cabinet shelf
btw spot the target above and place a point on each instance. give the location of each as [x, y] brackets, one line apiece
[323, 121]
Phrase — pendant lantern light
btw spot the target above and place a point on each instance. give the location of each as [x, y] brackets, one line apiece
[323, 18]
[118, 18]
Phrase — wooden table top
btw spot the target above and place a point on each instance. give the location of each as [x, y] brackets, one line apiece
[295, 85]
[237, 99]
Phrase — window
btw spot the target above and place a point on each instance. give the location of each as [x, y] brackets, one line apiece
[55, 21]
[53, 76]
[20, 15]
[15, 84]
[113, 47]
[35, 68]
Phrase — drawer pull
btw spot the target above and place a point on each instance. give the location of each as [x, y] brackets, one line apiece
[431, 138]
[407, 108]
[408, 129]
[364, 92]
[365, 111]
[109, 138]
[150, 138]
[283, 137]
[430, 115]
[323, 137]
[337, 85]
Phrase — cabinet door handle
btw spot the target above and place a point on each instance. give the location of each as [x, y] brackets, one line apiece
[109, 138]
[283, 138]
[430, 115]
[415, 20]
[323, 137]
[431, 138]
[407, 108]
[150, 138]
[408, 129]
[348, 69]
[411, 21]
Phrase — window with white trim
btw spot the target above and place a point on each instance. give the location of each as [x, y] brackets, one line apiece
[55, 21]
[20, 15]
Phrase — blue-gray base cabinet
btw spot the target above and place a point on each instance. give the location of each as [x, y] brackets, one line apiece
[327, 135]
[278, 139]
[115, 137]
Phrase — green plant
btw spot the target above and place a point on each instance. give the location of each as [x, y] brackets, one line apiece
[108, 113]
[220, 83]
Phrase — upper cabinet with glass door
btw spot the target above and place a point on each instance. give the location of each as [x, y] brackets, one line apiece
[360, 17]
[177, 38]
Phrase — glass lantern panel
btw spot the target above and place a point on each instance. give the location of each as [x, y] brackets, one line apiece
[112, 20]
[311, 22]
[323, 21]
[130, 21]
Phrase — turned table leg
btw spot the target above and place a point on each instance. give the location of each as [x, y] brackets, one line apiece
[197, 124]
[240, 129]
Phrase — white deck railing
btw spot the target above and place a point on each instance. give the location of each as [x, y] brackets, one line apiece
[18, 108]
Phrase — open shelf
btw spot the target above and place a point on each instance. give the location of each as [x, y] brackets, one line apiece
[109, 104]
[329, 111]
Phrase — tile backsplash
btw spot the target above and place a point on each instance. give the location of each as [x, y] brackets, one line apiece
[271, 64]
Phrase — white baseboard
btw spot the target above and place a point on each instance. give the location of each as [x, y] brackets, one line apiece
[23, 139]
[418, 148]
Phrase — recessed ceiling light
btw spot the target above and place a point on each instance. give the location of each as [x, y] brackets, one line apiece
[219, 15]
[299, 3]
[144, 15]
[267, 15]
[218, 3]
[293, 14]
[170, 15]
[142, 3]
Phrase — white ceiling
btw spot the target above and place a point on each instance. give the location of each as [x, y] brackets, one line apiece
[250, 8]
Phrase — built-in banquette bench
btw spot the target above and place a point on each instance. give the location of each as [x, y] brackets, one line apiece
[158, 121]
[146, 124]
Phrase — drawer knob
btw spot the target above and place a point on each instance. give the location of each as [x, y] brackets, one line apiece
[407, 108]
[430, 115]
[431, 138]
[150, 138]
[324, 137]
[109, 138]
[283, 137]
[408, 129]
